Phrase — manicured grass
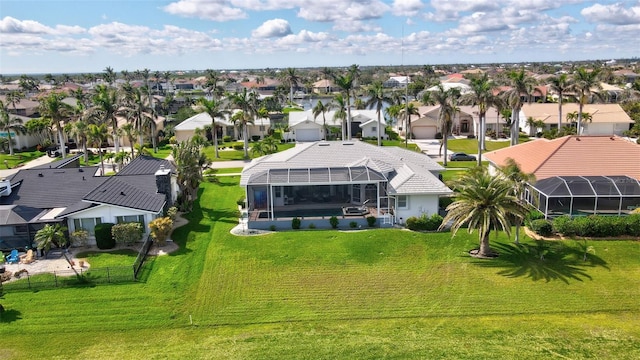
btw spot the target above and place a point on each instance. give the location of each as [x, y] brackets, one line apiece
[19, 158]
[228, 171]
[340, 295]
[398, 143]
[470, 146]
[463, 164]
[163, 152]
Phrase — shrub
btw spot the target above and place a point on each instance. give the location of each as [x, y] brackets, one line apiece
[226, 138]
[632, 225]
[542, 227]
[334, 222]
[563, 225]
[424, 223]
[353, 224]
[533, 215]
[104, 239]
[172, 212]
[371, 220]
[160, 230]
[438, 135]
[240, 201]
[79, 237]
[312, 226]
[255, 138]
[272, 228]
[127, 233]
[239, 147]
[295, 223]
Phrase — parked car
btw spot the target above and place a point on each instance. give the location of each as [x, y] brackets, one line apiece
[54, 151]
[461, 157]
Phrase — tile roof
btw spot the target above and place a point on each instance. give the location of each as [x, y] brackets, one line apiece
[600, 113]
[146, 165]
[390, 161]
[117, 192]
[573, 155]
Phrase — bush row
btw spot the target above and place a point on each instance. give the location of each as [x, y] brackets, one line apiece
[424, 223]
[589, 226]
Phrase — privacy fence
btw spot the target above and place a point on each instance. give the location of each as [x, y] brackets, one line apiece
[81, 277]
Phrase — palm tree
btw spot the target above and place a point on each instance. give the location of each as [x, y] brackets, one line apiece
[53, 108]
[561, 85]
[98, 134]
[346, 84]
[130, 132]
[519, 180]
[321, 108]
[376, 99]
[447, 99]
[79, 129]
[247, 102]
[340, 105]
[13, 97]
[578, 118]
[106, 104]
[586, 85]
[242, 119]
[407, 111]
[484, 203]
[109, 76]
[9, 124]
[291, 78]
[481, 95]
[215, 109]
[49, 236]
[521, 85]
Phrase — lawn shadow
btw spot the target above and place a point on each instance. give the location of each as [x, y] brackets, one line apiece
[543, 260]
[9, 316]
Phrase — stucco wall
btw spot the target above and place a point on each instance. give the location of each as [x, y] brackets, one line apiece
[418, 205]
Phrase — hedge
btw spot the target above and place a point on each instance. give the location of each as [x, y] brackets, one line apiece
[104, 239]
[598, 226]
[424, 223]
[541, 227]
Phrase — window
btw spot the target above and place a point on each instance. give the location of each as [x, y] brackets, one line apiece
[262, 128]
[88, 224]
[131, 218]
[373, 128]
[402, 202]
[278, 191]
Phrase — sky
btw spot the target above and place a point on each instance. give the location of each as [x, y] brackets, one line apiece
[80, 36]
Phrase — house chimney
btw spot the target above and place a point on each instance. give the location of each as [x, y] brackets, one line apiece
[163, 185]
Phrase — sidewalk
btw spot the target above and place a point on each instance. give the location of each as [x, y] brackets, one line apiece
[42, 160]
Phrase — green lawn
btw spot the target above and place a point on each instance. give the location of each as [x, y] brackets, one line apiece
[327, 294]
[398, 143]
[226, 154]
[19, 158]
[470, 146]
[222, 171]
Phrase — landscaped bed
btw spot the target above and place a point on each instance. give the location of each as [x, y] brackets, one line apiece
[341, 295]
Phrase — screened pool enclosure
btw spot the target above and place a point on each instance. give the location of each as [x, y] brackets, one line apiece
[584, 195]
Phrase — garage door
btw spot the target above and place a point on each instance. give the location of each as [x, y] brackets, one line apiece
[424, 132]
[307, 135]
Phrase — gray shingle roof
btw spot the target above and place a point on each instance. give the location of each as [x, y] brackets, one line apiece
[145, 165]
[51, 188]
[117, 192]
[408, 172]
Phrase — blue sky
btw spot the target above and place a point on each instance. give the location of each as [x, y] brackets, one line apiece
[75, 36]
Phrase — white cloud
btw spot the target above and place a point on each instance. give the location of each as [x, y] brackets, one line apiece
[216, 10]
[272, 28]
[615, 14]
[340, 10]
[9, 25]
[407, 7]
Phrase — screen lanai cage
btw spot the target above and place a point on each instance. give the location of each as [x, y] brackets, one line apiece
[584, 195]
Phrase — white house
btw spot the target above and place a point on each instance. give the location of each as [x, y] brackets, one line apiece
[347, 179]
[225, 127]
[606, 119]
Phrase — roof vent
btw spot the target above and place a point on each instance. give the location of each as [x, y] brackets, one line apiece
[40, 175]
[80, 170]
[122, 193]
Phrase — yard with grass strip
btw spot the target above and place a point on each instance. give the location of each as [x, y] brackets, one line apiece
[470, 146]
[19, 158]
[329, 294]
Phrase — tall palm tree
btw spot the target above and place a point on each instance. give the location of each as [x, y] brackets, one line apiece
[79, 129]
[483, 203]
[519, 180]
[586, 84]
[322, 108]
[561, 84]
[377, 98]
[130, 132]
[109, 76]
[408, 110]
[107, 105]
[521, 85]
[243, 119]
[481, 95]
[53, 108]
[215, 109]
[340, 104]
[447, 100]
[98, 134]
[345, 83]
[9, 124]
[13, 97]
[291, 78]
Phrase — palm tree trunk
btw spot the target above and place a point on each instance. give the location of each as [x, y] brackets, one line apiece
[379, 135]
[444, 142]
[215, 141]
[579, 129]
[63, 150]
[84, 149]
[517, 237]
[245, 135]
[560, 112]
[480, 140]
[10, 145]
[101, 159]
[348, 118]
[485, 249]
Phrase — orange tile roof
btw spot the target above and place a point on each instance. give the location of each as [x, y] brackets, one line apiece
[573, 156]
